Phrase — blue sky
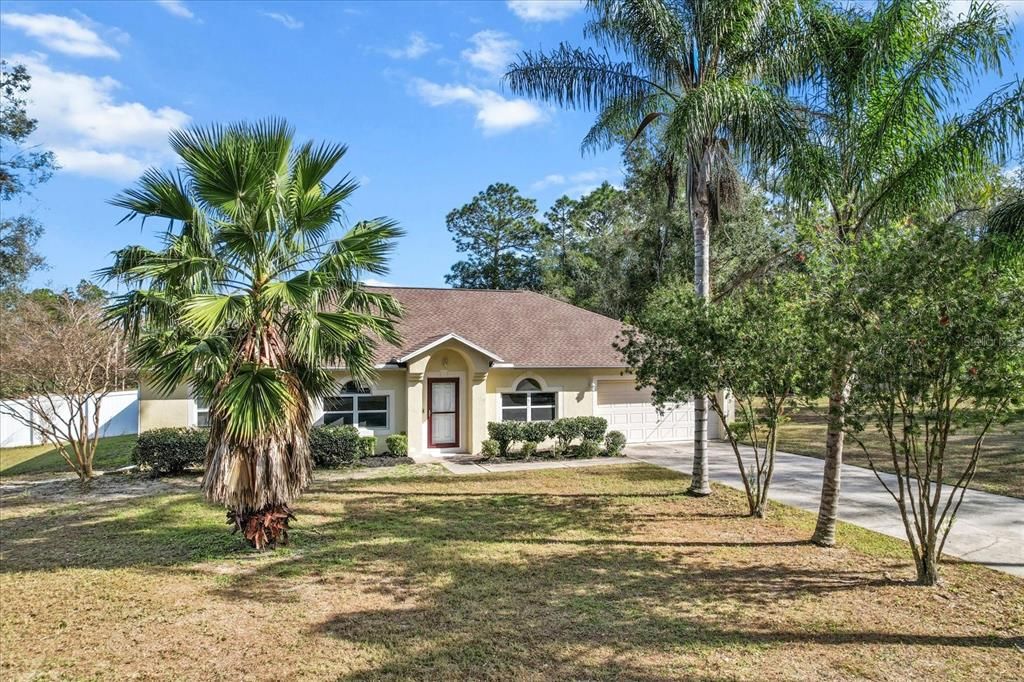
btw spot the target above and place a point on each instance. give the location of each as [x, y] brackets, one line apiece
[412, 88]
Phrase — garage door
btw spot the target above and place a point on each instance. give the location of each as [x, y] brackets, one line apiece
[631, 412]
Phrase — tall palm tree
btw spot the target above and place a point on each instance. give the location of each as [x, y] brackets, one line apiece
[883, 146]
[250, 297]
[707, 77]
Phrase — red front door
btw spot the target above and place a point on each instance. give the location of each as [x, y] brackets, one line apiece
[443, 413]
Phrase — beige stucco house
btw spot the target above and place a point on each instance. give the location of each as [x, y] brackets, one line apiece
[469, 357]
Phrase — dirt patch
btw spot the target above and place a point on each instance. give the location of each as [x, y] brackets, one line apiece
[107, 488]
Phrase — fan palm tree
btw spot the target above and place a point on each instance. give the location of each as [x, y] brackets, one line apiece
[882, 145]
[707, 77]
[251, 295]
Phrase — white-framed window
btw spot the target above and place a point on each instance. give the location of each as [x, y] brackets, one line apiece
[202, 412]
[529, 403]
[357, 406]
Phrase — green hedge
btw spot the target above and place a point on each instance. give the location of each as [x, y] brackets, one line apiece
[398, 444]
[614, 442]
[505, 434]
[490, 449]
[590, 431]
[171, 451]
[334, 446]
[593, 428]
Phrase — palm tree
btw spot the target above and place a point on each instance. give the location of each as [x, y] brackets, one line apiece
[250, 297]
[881, 146]
[1004, 225]
[708, 77]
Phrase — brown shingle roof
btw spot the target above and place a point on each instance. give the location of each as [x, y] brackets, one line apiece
[523, 328]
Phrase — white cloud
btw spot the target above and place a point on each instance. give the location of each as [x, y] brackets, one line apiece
[494, 113]
[286, 20]
[553, 180]
[112, 165]
[417, 46]
[1014, 8]
[177, 8]
[544, 10]
[492, 52]
[62, 34]
[371, 282]
[90, 129]
[577, 184]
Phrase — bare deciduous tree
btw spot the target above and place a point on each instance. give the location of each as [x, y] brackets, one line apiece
[58, 361]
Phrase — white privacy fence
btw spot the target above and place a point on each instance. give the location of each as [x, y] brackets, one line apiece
[119, 415]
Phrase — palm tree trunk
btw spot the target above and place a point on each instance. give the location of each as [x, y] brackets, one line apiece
[700, 216]
[828, 509]
[256, 477]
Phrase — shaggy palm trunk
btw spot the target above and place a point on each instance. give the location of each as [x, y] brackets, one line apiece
[700, 209]
[257, 477]
[828, 509]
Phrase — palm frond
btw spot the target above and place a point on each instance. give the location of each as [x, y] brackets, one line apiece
[578, 78]
[158, 194]
[256, 400]
[764, 120]
[649, 32]
[965, 145]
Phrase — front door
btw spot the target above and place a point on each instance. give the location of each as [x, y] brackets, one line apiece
[443, 413]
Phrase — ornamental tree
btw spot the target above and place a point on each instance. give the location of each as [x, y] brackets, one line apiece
[942, 352]
[755, 345]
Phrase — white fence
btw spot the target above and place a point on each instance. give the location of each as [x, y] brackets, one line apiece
[119, 415]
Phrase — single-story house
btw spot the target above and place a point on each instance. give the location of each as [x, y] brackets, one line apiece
[469, 357]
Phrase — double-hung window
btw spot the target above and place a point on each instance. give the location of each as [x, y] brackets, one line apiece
[357, 406]
[202, 413]
[528, 403]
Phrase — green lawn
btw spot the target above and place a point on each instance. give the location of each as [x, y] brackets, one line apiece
[111, 453]
[1000, 469]
[606, 573]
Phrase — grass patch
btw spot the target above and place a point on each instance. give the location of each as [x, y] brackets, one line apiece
[1000, 469]
[593, 573]
[111, 453]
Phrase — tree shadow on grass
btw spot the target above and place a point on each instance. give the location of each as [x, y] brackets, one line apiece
[162, 530]
[601, 612]
[505, 585]
[636, 585]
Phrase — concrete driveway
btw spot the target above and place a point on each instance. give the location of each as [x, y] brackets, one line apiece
[989, 528]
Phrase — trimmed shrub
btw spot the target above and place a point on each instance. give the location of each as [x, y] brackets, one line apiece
[398, 444]
[588, 449]
[614, 442]
[535, 432]
[334, 446]
[490, 449]
[566, 430]
[171, 451]
[367, 446]
[505, 433]
[593, 428]
[528, 450]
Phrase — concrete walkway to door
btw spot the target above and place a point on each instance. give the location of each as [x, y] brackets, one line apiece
[989, 529]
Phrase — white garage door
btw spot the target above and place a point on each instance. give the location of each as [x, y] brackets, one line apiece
[631, 412]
